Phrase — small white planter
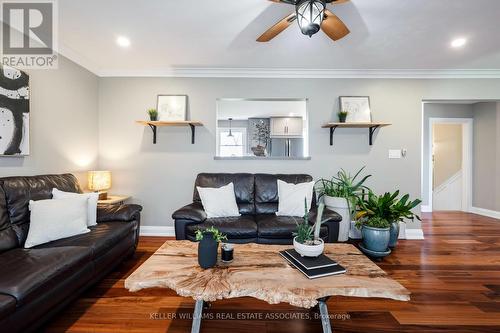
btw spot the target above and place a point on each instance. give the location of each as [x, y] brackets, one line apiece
[309, 250]
[340, 206]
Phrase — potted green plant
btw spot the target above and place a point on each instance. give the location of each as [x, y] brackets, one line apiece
[400, 212]
[153, 114]
[261, 134]
[340, 194]
[342, 116]
[306, 240]
[376, 216]
[208, 245]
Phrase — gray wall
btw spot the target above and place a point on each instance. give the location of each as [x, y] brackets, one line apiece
[439, 110]
[63, 120]
[498, 158]
[161, 176]
[486, 142]
[486, 193]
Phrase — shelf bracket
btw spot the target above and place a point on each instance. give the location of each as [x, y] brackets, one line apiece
[372, 130]
[153, 128]
[193, 130]
[332, 130]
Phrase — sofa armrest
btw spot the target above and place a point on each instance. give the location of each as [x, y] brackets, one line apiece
[330, 219]
[122, 213]
[193, 212]
[328, 215]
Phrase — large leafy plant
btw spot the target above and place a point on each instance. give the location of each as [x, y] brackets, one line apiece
[379, 211]
[343, 185]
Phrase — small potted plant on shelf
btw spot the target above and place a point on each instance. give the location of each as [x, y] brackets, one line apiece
[306, 240]
[341, 194]
[378, 219]
[153, 114]
[342, 116]
[208, 246]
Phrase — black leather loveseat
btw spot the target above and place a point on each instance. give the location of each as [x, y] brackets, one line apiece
[37, 283]
[257, 199]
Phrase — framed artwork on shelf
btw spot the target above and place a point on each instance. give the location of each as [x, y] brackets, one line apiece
[357, 108]
[172, 107]
[14, 112]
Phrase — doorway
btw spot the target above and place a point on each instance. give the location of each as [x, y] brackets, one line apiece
[450, 167]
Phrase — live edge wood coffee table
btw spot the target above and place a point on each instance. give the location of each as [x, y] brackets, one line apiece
[259, 271]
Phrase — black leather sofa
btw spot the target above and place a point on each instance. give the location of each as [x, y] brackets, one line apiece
[257, 199]
[37, 283]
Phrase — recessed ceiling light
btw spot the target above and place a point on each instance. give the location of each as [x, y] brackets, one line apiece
[123, 41]
[458, 42]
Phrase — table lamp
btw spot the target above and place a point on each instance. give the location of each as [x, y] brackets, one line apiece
[99, 181]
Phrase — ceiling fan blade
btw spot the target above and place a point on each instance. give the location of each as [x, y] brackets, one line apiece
[333, 26]
[277, 28]
[290, 2]
[337, 2]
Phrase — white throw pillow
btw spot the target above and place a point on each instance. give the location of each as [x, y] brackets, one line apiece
[219, 202]
[92, 197]
[55, 219]
[291, 198]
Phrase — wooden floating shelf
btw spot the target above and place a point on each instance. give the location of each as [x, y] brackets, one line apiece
[155, 124]
[372, 127]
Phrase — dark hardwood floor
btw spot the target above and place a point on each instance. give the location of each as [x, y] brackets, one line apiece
[454, 277]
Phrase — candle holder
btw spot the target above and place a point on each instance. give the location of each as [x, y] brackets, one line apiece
[227, 252]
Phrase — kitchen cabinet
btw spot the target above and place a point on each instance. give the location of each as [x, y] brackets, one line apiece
[287, 127]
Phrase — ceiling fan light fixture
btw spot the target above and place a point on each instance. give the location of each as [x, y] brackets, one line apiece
[310, 14]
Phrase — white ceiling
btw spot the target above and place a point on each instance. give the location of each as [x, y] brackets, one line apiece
[385, 35]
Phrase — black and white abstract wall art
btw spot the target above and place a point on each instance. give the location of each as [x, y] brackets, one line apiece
[14, 112]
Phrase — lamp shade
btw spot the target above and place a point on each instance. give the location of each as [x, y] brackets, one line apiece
[310, 15]
[99, 180]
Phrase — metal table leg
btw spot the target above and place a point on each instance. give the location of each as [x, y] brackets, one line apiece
[198, 312]
[325, 317]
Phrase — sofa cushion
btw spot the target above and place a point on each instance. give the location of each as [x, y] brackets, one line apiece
[277, 227]
[7, 305]
[219, 202]
[8, 238]
[101, 237]
[239, 227]
[56, 219]
[243, 187]
[266, 190]
[20, 190]
[27, 273]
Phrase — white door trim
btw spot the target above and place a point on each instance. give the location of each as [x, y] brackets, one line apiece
[467, 158]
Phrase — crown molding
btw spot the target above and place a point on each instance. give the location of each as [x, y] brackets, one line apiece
[306, 73]
[78, 59]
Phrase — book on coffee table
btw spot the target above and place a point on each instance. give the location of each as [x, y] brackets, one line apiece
[314, 272]
[310, 262]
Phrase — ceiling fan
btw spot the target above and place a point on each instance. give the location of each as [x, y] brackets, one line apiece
[311, 15]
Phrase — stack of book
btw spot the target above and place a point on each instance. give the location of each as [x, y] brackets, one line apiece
[312, 267]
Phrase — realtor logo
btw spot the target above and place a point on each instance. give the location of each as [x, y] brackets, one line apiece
[29, 34]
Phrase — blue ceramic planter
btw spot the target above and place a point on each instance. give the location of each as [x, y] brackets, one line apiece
[375, 239]
[394, 234]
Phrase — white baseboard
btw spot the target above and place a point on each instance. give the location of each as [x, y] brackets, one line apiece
[157, 231]
[485, 212]
[414, 234]
[170, 231]
[425, 209]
